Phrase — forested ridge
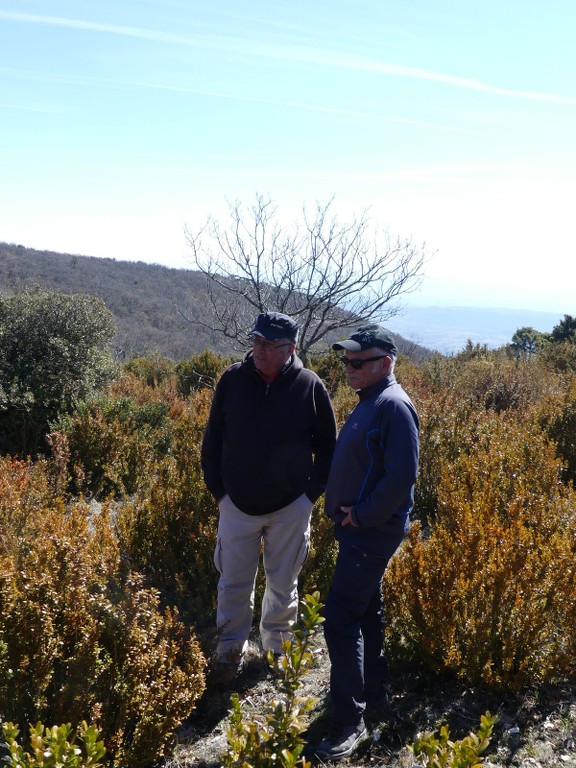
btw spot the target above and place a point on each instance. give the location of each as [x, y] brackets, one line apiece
[146, 299]
[150, 303]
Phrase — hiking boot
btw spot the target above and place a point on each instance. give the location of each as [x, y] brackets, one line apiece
[341, 741]
[225, 668]
[224, 673]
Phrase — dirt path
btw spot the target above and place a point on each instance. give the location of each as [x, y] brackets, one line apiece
[535, 731]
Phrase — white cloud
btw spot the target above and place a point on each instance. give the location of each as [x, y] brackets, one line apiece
[290, 52]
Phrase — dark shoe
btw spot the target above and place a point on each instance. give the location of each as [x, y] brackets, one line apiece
[225, 669]
[225, 674]
[341, 741]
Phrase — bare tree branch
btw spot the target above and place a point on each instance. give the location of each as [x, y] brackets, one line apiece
[327, 274]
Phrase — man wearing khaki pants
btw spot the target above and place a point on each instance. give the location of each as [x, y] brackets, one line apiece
[266, 455]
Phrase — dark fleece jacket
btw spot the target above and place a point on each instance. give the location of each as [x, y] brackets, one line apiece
[266, 444]
[375, 466]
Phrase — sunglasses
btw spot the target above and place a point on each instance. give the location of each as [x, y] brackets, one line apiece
[357, 364]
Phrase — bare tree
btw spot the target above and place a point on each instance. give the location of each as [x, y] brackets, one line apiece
[327, 274]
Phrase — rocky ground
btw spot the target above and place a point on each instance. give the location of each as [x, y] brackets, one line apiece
[536, 730]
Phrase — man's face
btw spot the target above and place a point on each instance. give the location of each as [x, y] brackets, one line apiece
[270, 356]
[370, 372]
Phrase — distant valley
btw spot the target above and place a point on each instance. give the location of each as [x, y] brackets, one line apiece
[447, 329]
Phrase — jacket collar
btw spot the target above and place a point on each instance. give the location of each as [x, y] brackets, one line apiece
[290, 367]
[377, 387]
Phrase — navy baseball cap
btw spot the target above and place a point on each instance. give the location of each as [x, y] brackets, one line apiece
[275, 325]
[366, 337]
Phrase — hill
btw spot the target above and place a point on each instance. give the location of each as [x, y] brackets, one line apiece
[146, 300]
[150, 303]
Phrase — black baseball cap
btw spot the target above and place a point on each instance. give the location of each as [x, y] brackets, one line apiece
[275, 325]
[366, 337]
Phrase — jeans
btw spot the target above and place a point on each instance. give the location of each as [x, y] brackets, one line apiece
[354, 628]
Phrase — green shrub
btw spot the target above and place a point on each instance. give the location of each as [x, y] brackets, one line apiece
[447, 429]
[441, 752]
[330, 370]
[457, 400]
[273, 739]
[168, 529]
[557, 417]
[113, 442]
[153, 370]
[52, 354]
[200, 371]
[56, 747]
[491, 380]
[560, 357]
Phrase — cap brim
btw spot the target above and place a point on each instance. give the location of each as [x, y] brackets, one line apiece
[351, 346]
[271, 336]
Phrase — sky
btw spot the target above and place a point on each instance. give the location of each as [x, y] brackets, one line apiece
[452, 122]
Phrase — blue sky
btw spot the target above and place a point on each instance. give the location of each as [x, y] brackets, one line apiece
[454, 122]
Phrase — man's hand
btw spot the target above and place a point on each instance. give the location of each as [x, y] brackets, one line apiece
[348, 519]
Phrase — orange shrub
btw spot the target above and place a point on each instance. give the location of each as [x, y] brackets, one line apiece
[80, 637]
[24, 488]
[168, 530]
[556, 415]
[490, 592]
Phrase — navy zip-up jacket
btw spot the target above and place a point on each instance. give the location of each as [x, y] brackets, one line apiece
[375, 465]
[267, 444]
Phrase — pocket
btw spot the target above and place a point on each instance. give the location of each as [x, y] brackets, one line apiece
[218, 555]
[304, 550]
[360, 556]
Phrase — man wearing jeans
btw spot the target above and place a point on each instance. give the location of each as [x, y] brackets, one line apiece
[369, 496]
[266, 455]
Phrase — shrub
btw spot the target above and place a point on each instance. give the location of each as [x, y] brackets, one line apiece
[52, 354]
[80, 639]
[330, 370]
[457, 400]
[24, 488]
[54, 747]
[113, 442]
[447, 429]
[559, 356]
[492, 586]
[273, 739]
[557, 417]
[492, 380]
[168, 530]
[441, 752]
[153, 370]
[200, 371]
